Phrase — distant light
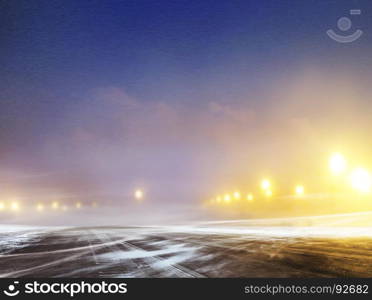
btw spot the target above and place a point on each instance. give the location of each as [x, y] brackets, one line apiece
[55, 205]
[78, 205]
[361, 180]
[337, 163]
[138, 194]
[299, 190]
[40, 207]
[227, 198]
[236, 195]
[14, 206]
[265, 184]
[250, 197]
[2, 206]
[268, 193]
[64, 207]
[218, 199]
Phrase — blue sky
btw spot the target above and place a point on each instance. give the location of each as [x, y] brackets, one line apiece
[159, 49]
[89, 87]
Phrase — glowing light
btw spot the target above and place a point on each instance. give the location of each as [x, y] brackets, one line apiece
[138, 194]
[64, 207]
[236, 195]
[55, 205]
[2, 206]
[78, 205]
[40, 207]
[250, 197]
[268, 193]
[227, 198]
[14, 206]
[337, 163]
[218, 199]
[299, 190]
[265, 184]
[361, 180]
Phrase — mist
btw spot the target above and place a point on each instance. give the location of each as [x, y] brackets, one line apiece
[108, 143]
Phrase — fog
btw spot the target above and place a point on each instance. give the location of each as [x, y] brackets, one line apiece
[109, 143]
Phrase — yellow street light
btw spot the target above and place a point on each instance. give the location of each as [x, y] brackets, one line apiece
[361, 180]
[299, 190]
[227, 198]
[337, 164]
[2, 206]
[40, 207]
[265, 184]
[237, 195]
[14, 206]
[138, 194]
[55, 205]
[250, 197]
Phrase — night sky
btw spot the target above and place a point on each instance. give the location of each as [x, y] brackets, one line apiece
[181, 98]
